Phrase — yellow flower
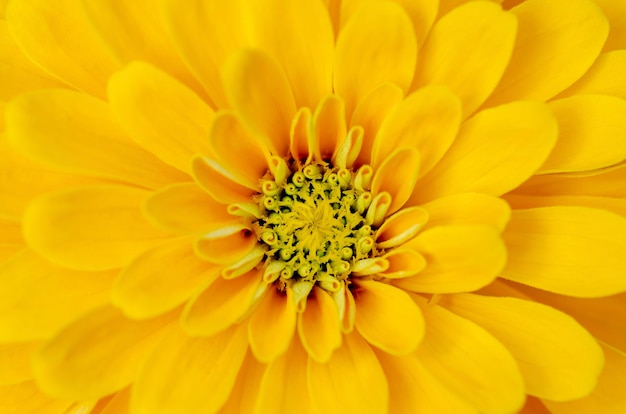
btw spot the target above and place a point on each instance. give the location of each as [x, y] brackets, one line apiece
[313, 206]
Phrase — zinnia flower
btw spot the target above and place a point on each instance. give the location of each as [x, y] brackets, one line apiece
[313, 206]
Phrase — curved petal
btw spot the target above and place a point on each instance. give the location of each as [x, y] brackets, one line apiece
[37, 298]
[376, 46]
[468, 208]
[222, 304]
[471, 60]
[59, 38]
[15, 362]
[90, 228]
[259, 91]
[226, 245]
[236, 150]
[588, 125]
[319, 326]
[403, 263]
[543, 341]
[387, 317]
[615, 13]
[185, 208]
[575, 251]
[428, 120]
[459, 258]
[161, 279]
[245, 392]
[478, 369]
[197, 365]
[401, 227]
[404, 162]
[106, 348]
[160, 113]
[604, 77]
[556, 43]
[352, 381]
[519, 202]
[26, 397]
[496, 151]
[272, 325]
[75, 133]
[221, 185]
[329, 129]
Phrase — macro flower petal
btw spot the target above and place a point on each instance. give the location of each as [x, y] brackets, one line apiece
[221, 185]
[480, 371]
[11, 240]
[184, 208]
[38, 298]
[90, 228]
[468, 208]
[544, 351]
[245, 392]
[603, 77]
[15, 361]
[575, 251]
[223, 303]
[387, 317]
[459, 258]
[405, 161]
[556, 43]
[74, 133]
[97, 354]
[375, 46]
[330, 127]
[615, 205]
[225, 245]
[160, 279]
[469, 61]
[76, 56]
[198, 364]
[588, 125]
[319, 326]
[258, 89]
[615, 13]
[25, 397]
[351, 381]
[160, 113]
[496, 150]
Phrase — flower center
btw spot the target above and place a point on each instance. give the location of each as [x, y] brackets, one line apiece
[315, 225]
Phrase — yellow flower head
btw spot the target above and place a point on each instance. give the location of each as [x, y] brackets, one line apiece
[339, 206]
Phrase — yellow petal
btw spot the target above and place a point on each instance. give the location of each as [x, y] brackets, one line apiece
[135, 31]
[370, 113]
[259, 91]
[588, 125]
[412, 389]
[15, 362]
[11, 240]
[329, 123]
[74, 133]
[459, 258]
[403, 162]
[556, 43]
[223, 303]
[470, 61]
[59, 38]
[272, 325]
[37, 298]
[403, 263]
[189, 375]
[17, 73]
[226, 245]
[97, 354]
[300, 139]
[543, 341]
[607, 397]
[244, 393]
[428, 119]
[576, 251]
[26, 397]
[186, 209]
[118, 404]
[496, 150]
[376, 46]
[352, 381]
[401, 227]
[478, 368]
[468, 208]
[387, 317]
[287, 373]
[221, 185]
[604, 77]
[236, 150]
[616, 205]
[300, 37]
[160, 113]
[319, 326]
[90, 228]
[615, 13]
[161, 279]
